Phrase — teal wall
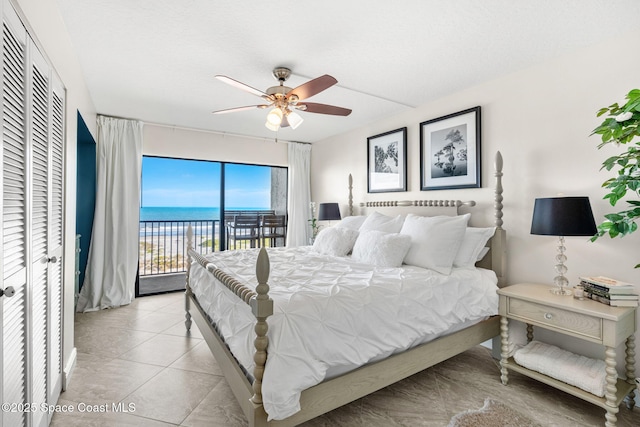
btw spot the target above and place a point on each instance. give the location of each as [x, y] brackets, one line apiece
[85, 190]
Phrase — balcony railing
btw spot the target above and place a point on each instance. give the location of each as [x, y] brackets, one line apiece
[163, 244]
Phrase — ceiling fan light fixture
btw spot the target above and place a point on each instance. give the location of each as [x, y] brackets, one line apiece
[271, 126]
[275, 117]
[294, 119]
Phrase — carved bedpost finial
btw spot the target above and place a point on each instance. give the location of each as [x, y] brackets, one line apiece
[262, 307]
[498, 191]
[262, 272]
[350, 195]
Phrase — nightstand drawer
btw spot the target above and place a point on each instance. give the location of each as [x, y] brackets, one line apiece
[556, 318]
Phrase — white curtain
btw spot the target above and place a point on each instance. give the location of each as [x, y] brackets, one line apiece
[298, 228]
[113, 254]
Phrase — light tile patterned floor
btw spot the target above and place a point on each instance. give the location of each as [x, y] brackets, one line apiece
[140, 357]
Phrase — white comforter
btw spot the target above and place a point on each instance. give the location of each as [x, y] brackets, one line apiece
[333, 314]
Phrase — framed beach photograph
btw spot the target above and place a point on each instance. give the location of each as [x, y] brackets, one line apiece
[450, 151]
[387, 161]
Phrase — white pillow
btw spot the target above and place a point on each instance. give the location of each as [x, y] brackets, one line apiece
[434, 240]
[352, 222]
[379, 222]
[335, 241]
[483, 252]
[380, 248]
[473, 243]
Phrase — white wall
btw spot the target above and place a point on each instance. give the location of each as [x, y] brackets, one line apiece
[183, 143]
[45, 25]
[540, 119]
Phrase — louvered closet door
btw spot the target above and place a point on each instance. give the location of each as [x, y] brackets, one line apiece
[56, 219]
[46, 137]
[13, 242]
[32, 222]
[40, 201]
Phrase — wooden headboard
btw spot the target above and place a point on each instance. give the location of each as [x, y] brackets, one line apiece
[496, 257]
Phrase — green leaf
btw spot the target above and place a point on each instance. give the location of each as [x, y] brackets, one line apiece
[633, 93]
[613, 217]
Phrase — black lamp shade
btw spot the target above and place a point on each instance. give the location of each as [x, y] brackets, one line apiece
[328, 212]
[563, 216]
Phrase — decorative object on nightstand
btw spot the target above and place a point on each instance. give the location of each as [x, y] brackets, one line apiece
[610, 291]
[329, 212]
[562, 216]
[313, 222]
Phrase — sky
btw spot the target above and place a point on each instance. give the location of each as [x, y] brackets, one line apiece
[195, 183]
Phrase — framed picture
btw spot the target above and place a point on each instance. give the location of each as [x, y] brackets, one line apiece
[387, 161]
[450, 151]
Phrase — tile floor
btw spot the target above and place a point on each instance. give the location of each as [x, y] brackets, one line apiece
[140, 357]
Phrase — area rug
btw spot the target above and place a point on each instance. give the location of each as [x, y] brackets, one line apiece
[492, 414]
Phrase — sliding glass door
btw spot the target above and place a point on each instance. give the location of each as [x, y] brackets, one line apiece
[251, 194]
[175, 193]
[208, 196]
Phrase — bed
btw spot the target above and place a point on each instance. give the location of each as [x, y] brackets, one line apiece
[265, 350]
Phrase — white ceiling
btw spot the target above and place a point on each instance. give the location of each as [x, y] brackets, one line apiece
[154, 60]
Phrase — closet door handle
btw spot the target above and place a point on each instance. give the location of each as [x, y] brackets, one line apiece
[52, 260]
[8, 292]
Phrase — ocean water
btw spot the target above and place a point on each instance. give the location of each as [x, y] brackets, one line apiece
[185, 214]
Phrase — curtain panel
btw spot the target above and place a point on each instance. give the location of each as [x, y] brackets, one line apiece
[113, 253]
[299, 229]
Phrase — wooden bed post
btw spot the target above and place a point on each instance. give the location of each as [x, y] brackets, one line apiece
[188, 291]
[498, 196]
[262, 307]
[499, 240]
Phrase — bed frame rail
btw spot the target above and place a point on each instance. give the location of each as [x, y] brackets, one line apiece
[261, 305]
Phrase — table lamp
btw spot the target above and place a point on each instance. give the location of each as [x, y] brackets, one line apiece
[329, 212]
[562, 216]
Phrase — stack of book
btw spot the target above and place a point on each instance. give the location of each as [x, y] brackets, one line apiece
[609, 291]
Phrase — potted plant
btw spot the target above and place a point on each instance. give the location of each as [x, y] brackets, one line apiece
[622, 128]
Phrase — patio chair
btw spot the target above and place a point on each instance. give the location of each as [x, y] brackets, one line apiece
[245, 228]
[273, 228]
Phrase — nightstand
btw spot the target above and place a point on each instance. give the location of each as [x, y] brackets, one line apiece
[588, 320]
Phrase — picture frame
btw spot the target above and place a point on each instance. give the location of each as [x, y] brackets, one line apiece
[387, 161]
[450, 151]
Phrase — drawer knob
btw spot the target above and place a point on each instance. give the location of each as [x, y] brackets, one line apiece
[548, 316]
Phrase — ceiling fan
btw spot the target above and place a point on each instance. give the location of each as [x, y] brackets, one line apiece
[285, 100]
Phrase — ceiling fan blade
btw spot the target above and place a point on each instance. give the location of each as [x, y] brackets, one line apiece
[233, 110]
[313, 107]
[312, 87]
[240, 85]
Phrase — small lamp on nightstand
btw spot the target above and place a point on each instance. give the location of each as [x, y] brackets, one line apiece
[329, 212]
[562, 216]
